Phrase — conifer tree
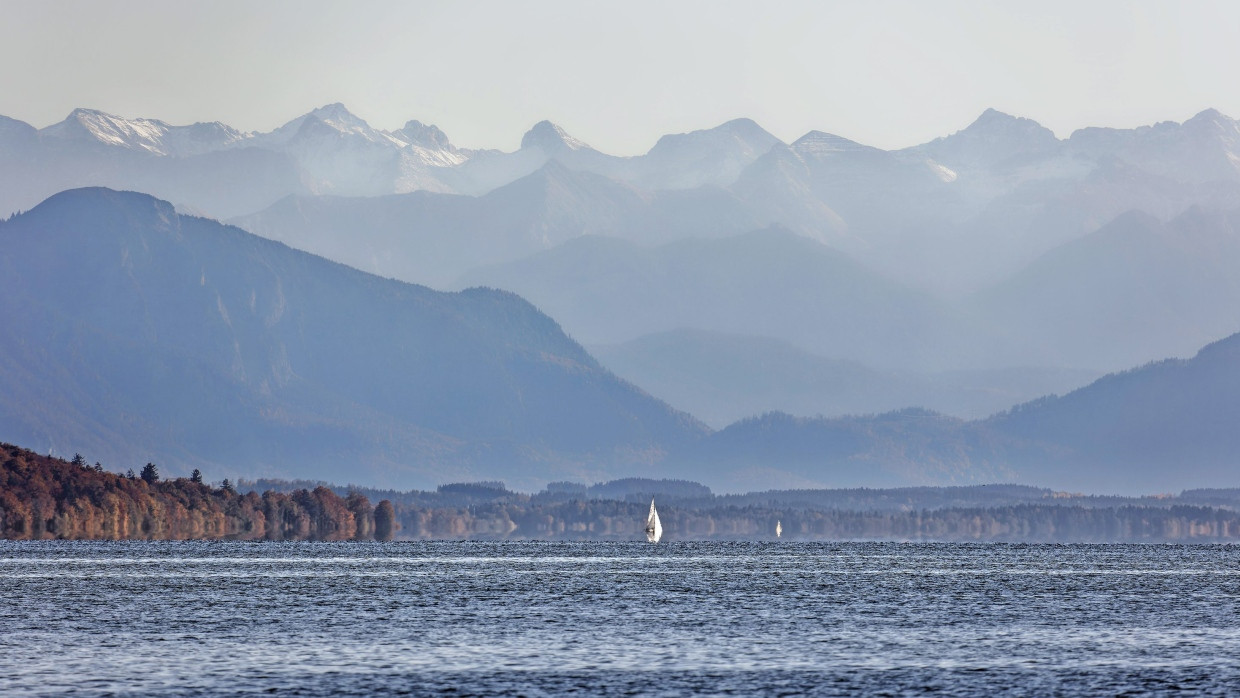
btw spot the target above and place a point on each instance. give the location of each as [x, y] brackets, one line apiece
[385, 520]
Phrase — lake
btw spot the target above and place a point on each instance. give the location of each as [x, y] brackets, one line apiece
[530, 618]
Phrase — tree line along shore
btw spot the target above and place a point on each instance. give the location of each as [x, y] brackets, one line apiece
[50, 498]
[42, 498]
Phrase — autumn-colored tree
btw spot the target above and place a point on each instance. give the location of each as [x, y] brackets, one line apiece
[363, 515]
[44, 497]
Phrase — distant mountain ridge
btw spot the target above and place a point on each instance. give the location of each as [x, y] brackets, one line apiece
[1166, 424]
[329, 150]
[614, 263]
[958, 217]
[336, 152]
[723, 378]
[1161, 427]
[435, 238]
[768, 282]
[1136, 288]
[951, 216]
[995, 250]
[135, 334]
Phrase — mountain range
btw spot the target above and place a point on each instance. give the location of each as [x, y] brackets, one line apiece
[217, 170]
[1135, 289]
[1161, 427]
[436, 238]
[724, 271]
[769, 282]
[989, 198]
[964, 219]
[134, 333]
[723, 378]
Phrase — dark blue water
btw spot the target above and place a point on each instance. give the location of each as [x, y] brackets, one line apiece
[613, 619]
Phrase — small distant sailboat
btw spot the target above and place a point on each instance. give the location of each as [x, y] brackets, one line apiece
[654, 529]
[779, 529]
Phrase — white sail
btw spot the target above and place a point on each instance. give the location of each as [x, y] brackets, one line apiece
[779, 529]
[654, 529]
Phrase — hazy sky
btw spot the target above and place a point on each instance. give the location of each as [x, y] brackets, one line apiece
[619, 74]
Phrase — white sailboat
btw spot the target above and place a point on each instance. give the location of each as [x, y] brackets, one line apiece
[779, 529]
[654, 529]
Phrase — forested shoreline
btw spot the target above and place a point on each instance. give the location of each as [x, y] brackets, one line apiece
[1024, 523]
[49, 498]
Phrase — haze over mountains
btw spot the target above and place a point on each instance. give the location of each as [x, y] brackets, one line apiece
[220, 171]
[723, 271]
[722, 378]
[135, 333]
[1158, 428]
[960, 220]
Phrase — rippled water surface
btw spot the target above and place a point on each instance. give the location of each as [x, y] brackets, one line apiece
[610, 619]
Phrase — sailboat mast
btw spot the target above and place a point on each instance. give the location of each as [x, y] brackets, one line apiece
[654, 528]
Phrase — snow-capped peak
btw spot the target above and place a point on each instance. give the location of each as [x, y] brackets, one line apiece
[1214, 130]
[1210, 114]
[144, 134]
[424, 136]
[331, 119]
[996, 123]
[737, 133]
[1202, 149]
[550, 138]
[1212, 120]
[713, 156]
[149, 135]
[993, 116]
[427, 145]
[817, 143]
[993, 139]
[339, 117]
[742, 128]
